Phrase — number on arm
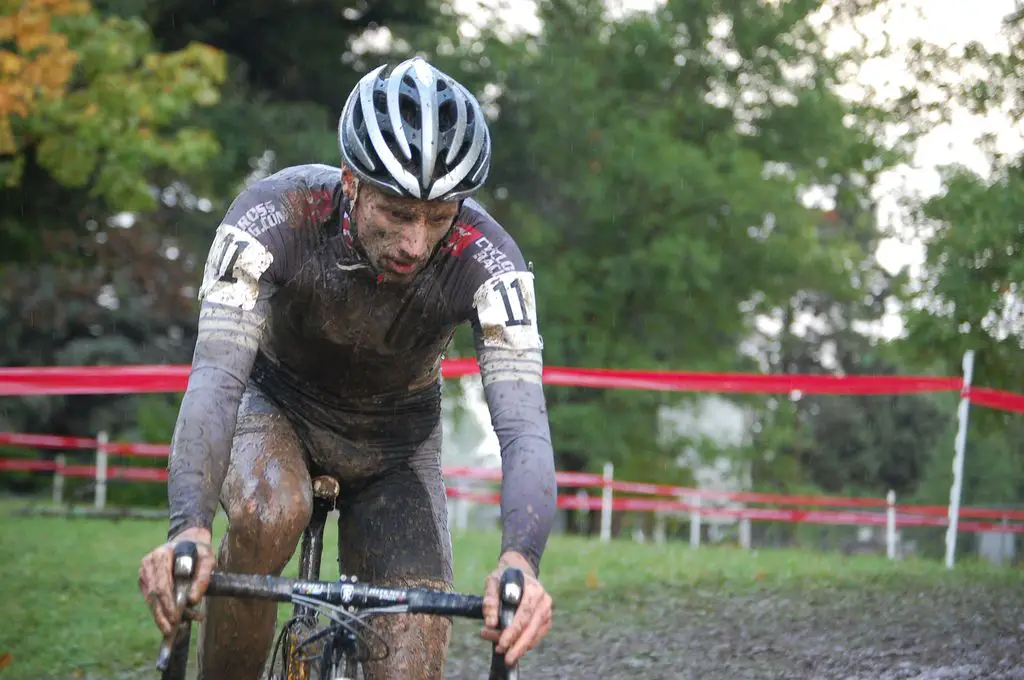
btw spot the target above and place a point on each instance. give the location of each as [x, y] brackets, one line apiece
[227, 259]
[516, 317]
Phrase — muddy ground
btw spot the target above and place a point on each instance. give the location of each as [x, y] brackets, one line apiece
[890, 632]
[904, 630]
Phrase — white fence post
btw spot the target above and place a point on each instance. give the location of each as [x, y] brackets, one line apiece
[695, 523]
[959, 447]
[606, 503]
[890, 525]
[659, 528]
[58, 480]
[101, 470]
[745, 532]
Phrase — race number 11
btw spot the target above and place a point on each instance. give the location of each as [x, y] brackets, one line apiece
[523, 319]
[228, 257]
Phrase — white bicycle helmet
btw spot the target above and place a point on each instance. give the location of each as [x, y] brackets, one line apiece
[412, 130]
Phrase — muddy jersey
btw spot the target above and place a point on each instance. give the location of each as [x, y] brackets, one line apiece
[290, 304]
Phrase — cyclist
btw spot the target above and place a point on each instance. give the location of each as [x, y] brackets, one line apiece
[328, 298]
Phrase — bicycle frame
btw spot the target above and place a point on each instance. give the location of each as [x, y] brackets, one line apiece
[174, 658]
[325, 498]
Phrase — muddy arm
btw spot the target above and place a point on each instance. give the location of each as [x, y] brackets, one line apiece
[201, 445]
[509, 352]
[237, 284]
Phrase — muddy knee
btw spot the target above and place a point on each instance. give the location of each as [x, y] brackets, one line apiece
[262, 533]
[269, 499]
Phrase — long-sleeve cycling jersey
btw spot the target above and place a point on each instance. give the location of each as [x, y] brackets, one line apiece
[289, 304]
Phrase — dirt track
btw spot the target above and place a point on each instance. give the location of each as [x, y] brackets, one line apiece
[891, 632]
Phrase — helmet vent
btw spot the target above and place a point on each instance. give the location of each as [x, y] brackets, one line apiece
[409, 111]
[447, 115]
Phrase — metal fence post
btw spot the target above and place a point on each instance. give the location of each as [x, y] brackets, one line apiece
[959, 447]
[58, 480]
[660, 531]
[890, 525]
[606, 503]
[745, 532]
[695, 523]
[101, 470]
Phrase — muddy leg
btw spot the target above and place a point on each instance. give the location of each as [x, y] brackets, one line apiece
[418, 643]
[268, 498]
[394, 530]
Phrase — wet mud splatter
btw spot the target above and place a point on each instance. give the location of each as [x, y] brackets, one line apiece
[912, 632]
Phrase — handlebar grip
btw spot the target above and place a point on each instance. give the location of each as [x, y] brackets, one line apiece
[186, 554]
[174, 652]
[510, 594]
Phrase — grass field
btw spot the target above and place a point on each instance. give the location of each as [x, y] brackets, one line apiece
[71, 608]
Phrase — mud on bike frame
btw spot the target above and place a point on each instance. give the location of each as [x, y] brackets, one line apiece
[303, 644]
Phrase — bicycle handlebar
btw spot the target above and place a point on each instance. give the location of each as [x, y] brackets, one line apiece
[339, 593]
[346, 593]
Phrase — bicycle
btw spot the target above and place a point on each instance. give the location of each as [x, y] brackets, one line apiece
[307, 649]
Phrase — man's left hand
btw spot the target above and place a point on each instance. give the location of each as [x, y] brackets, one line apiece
[533, 617]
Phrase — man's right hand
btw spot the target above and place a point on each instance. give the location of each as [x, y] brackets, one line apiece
[156, 577]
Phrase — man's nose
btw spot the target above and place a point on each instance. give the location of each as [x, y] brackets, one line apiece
[414, 244]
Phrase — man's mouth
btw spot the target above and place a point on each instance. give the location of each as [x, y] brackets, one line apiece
[400, 267]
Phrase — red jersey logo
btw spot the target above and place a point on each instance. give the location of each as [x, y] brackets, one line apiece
[462, 236]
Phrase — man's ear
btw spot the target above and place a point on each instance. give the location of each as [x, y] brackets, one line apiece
[349, 183]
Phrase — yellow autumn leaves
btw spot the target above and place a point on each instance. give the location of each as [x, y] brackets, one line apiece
[41, 62]
[96, 103]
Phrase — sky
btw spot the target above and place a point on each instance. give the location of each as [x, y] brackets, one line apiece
[942, 22]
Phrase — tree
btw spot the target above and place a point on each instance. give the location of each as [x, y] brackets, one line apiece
[651, 167]
[91, 118]
[290, 67]
[121, 165]
[970, 295]
[87, 114]
[844, 444]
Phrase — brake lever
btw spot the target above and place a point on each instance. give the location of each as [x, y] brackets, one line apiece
[510, 594]
[186, 556]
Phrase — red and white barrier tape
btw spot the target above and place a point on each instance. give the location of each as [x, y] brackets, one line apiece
[910, 515]
[58, 380]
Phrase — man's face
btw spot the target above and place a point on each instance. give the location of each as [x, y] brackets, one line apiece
[398, 234]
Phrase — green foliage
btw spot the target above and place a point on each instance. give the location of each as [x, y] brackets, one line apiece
[77, 288]
[114, 122]
[651, 168]
[969, 296]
